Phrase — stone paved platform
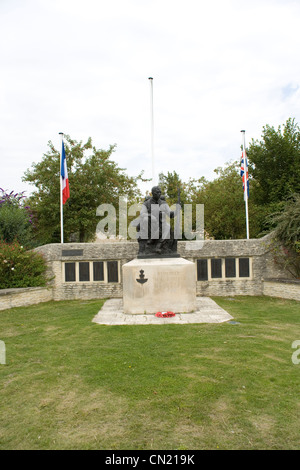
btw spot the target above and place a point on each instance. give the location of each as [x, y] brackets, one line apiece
[207, 312]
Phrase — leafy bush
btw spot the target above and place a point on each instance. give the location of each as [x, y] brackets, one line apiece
[286, 236]
[15, 218]
[21, 268]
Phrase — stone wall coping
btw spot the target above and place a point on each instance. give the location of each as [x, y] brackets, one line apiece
[283, 280]
[128, 249]
[106, 243]
[20, 290]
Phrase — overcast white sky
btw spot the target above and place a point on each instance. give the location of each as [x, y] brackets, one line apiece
[82, 68]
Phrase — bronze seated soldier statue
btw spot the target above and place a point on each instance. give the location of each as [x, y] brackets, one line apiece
[155, 235]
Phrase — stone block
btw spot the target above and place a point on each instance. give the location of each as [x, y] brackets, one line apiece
[159, 284]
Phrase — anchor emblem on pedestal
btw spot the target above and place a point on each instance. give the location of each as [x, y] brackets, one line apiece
[142, 279]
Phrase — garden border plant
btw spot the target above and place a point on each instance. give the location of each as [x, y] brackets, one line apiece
[20, 267]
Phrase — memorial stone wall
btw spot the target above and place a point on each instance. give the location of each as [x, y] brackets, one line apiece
[94, 271]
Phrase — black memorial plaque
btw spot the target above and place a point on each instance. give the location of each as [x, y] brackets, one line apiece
[202, 271]
[98, 271]
[216, 268]
[112, 271]
[72, 253]
[244, 267]
[230, 269]
[84, 271]
[70, 274]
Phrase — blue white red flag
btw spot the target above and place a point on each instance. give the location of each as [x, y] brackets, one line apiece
[244, 175]
[64, 176]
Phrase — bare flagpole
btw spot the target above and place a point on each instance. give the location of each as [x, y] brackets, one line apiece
[245, 183]
[61, 195]
[152, 130]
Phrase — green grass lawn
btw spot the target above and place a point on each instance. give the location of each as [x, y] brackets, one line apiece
[72, 384]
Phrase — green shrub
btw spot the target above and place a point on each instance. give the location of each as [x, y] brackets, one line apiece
[16, 219]
[286, 236]
[20, 268]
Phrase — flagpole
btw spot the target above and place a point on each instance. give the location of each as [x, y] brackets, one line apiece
[152, 130]
[61, 195]
[246, 183]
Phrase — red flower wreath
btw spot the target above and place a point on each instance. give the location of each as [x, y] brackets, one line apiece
[165, 314]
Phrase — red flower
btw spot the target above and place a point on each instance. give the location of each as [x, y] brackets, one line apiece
[165, 314]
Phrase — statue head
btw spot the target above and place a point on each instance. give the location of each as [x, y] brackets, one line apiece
[156, 192]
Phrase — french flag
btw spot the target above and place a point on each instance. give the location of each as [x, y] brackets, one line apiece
[64, 176]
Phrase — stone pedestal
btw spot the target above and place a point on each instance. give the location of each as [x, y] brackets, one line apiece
[159, 285]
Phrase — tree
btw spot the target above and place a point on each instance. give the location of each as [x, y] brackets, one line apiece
[170, 184]
[274, 164]
[224, 207]
[94, 179]
[15, 218]
[286, 236]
